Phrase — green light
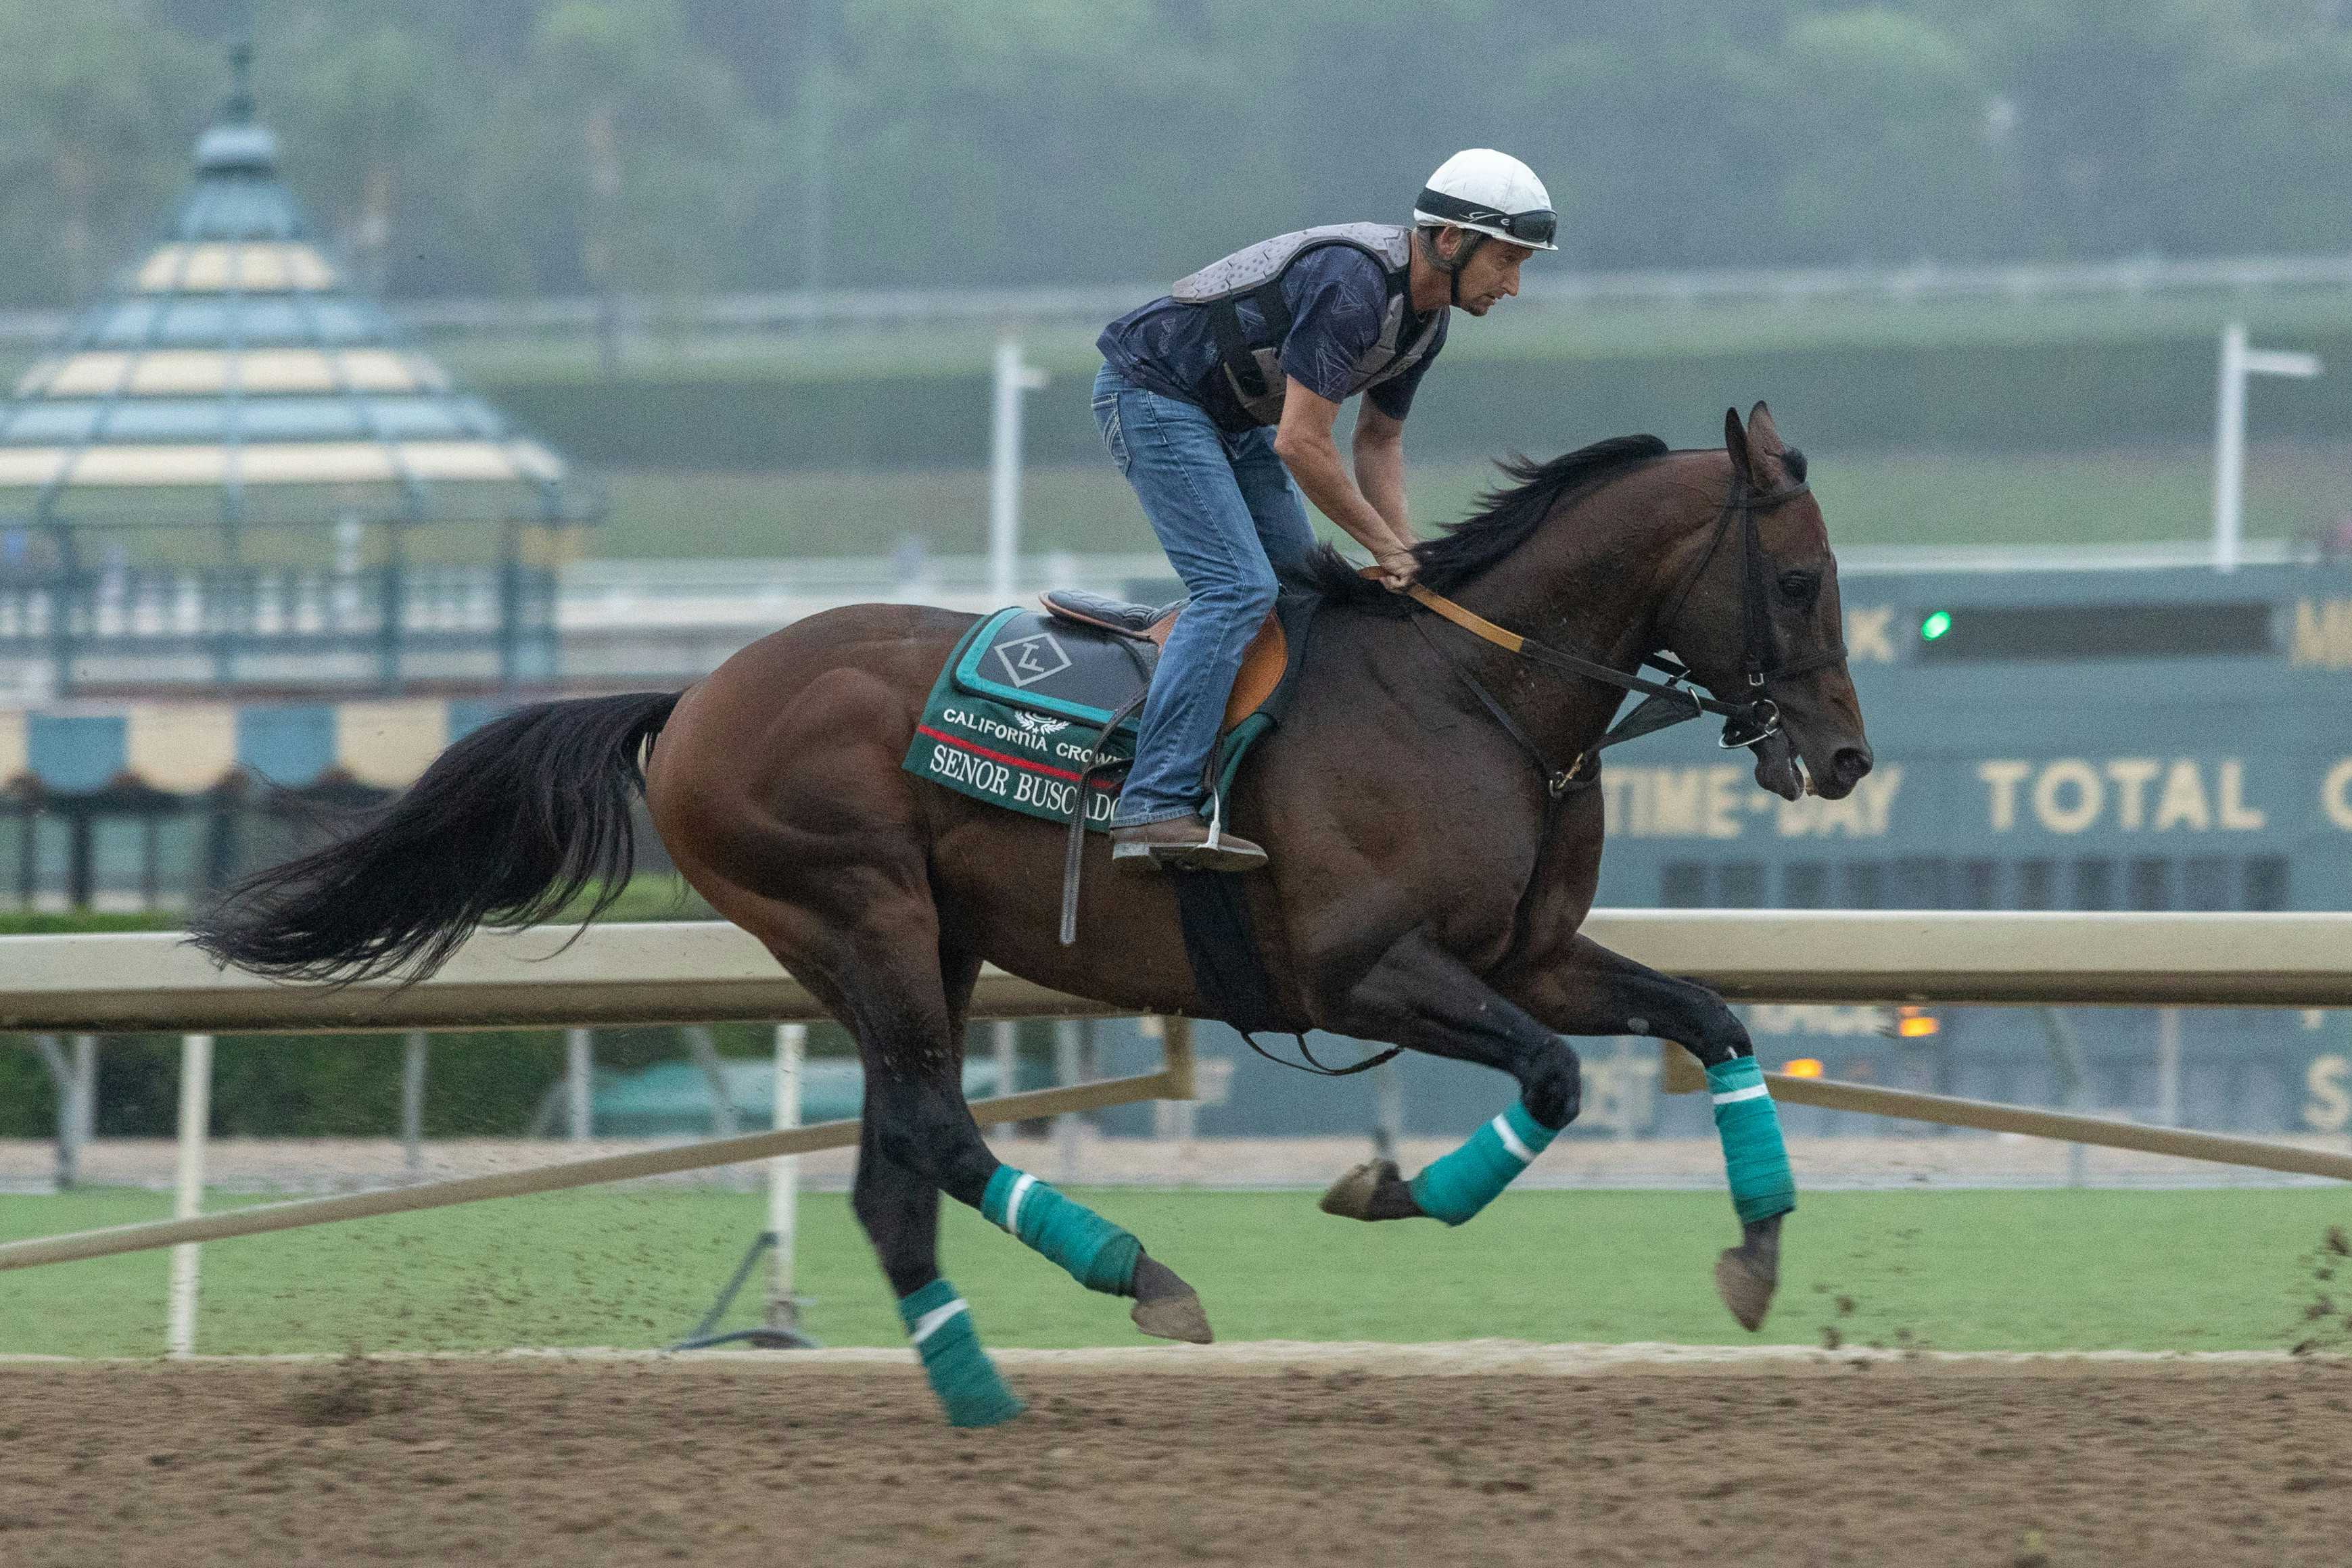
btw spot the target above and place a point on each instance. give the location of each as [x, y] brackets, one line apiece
[1935, 625]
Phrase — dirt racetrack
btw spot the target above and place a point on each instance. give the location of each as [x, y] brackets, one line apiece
[2039, 1465]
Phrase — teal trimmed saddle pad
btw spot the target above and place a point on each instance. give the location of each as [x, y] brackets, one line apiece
[1022, 703]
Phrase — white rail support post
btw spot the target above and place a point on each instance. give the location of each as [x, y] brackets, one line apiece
[2167, 1066]
[412, 1104]
[2238, 363]
[579, 1083]
[1004, 1038]
[85, 1073]
[1174, 1119]
[61, 1074]
[1013, 376]
[195, 1115]
[1387, 1110]
[784, 1182]
[703, 1047]
[1067, 1040]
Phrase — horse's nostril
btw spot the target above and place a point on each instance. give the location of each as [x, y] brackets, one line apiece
[1849, 765]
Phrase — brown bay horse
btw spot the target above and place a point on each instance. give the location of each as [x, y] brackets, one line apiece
[1426, 888]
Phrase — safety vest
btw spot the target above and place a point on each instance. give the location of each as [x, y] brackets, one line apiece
[1255, 274]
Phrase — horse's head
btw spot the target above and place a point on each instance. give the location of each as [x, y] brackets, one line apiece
[1754, 594]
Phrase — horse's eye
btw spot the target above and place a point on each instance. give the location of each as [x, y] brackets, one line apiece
[1799, 588]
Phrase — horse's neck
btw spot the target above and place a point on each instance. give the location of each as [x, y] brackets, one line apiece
[1588, 583]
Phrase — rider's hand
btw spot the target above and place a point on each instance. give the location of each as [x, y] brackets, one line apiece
[1398, 568]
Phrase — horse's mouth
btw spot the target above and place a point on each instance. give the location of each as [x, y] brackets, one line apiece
[1780, 772]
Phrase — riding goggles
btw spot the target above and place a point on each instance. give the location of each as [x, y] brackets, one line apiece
[1535, 227]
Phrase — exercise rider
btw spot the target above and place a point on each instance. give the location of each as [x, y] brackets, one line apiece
[1216, 397]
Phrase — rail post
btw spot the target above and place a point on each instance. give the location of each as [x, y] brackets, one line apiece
[195, 1113]
[579, 1083]
[784, 1314]
[412, 1104]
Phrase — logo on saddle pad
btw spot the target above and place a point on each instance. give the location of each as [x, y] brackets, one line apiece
[1038, 723]
[1031, 659]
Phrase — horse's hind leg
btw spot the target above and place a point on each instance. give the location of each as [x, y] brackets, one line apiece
[1165, 1306]
[897, 1200]
[888, 979]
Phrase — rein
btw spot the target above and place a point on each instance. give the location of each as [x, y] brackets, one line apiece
[1672, 701]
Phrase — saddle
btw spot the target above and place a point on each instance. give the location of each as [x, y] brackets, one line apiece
[1087, 656]
[1036, 712]
[1032, 704]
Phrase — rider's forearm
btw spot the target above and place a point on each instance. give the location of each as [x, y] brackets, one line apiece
[1314, 461]
[1380, 474]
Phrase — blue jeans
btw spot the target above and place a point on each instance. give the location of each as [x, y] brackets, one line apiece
[1230, 519]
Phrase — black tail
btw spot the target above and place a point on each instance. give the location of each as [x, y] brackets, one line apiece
[508, 826]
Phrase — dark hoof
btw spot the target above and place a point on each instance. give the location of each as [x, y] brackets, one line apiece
[1373, 1190]
[1745, 1280]
[1166, 1307]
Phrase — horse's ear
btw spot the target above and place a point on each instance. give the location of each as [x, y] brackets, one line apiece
[1735, 442]
[1754, 451]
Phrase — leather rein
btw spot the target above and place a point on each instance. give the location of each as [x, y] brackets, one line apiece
[1673, 700]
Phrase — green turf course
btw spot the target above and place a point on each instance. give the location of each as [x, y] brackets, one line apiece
[1953, 499]
[1958, 1270]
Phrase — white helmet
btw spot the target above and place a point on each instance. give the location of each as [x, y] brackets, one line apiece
[1490, 193]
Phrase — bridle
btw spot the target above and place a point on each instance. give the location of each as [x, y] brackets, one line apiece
[1760, 660]
[1675, 700]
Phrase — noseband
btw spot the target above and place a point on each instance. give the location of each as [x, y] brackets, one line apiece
[1675, 700]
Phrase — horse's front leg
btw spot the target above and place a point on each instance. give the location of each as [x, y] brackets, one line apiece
[1588, 989]
[1418, 995]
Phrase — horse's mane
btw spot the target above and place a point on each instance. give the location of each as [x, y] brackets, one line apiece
[1506, 516]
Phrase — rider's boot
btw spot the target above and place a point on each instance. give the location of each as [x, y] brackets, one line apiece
[1186, 844]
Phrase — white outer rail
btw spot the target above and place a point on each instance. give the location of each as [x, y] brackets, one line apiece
[698, 972]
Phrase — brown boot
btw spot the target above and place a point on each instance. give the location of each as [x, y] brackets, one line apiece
[1182, 842]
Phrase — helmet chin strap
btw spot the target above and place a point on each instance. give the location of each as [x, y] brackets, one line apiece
[1471, 240]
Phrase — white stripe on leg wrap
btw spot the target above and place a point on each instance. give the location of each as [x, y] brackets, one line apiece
[1511, 1144]
[1012, 1202]
[930, 1322]
[1753, 1091]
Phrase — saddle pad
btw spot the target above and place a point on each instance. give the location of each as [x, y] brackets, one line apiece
[1065, 669]
[1054, 667]
[1024, 759]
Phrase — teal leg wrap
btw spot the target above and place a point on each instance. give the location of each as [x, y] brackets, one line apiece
[1754, 1157]
[960, 1372]
[1459, 1184]
[1099, 1254]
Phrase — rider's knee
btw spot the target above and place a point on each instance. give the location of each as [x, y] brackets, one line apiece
[1249, 596]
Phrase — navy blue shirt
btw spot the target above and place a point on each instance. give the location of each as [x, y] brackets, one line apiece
[1337, 295]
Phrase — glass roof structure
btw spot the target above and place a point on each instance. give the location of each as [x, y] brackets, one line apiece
[233, 377]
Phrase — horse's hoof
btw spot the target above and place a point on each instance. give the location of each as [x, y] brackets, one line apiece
[1745, 1288]
[1165, 1306]
[1174, 1317]
[1373, 1190]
